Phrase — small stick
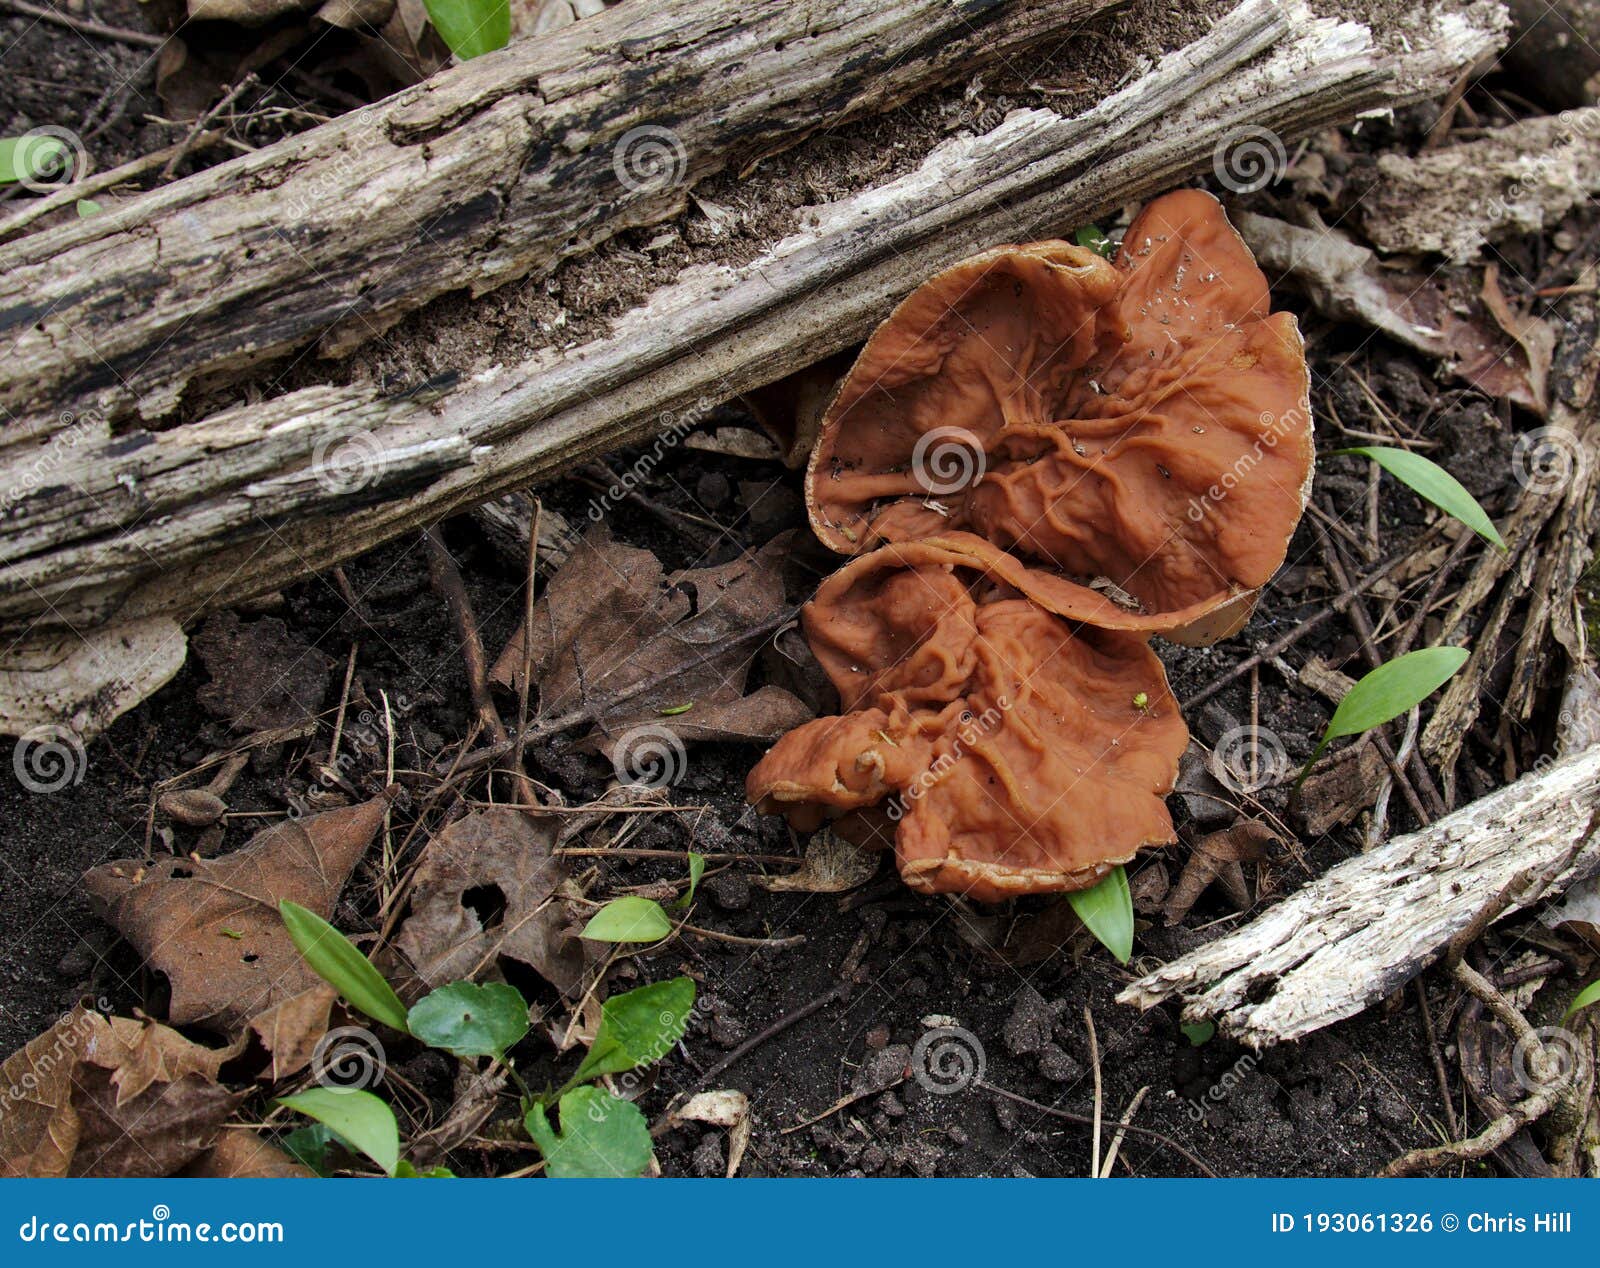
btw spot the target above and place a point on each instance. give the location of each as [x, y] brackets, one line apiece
[1094, 1058]
[1122, 1130]
[85, 26]
[1279, 645]
[1440, 1074]
[69, 194]
[447, 581]
[1084, 1119]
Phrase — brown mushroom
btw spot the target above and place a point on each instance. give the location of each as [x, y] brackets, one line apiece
[1012, 751]
[1146, 422]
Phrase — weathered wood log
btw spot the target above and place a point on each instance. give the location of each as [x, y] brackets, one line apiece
[204, 514]
[1372, 923]
[499, 168]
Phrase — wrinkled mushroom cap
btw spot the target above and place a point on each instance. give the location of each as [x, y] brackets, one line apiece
[1147, 422]
[1013, 751]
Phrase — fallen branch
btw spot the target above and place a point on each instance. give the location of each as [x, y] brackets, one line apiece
[1372, 923]
[498, 168]
[204, 514]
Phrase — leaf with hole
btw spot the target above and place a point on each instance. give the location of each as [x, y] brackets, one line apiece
[1106, 910]
[471, 1020]
[601, 1136]
[471, 28]
[358, 1118]
[339, 963]
[628, 919]
[1590, 994]
[1388, 691]
[697, 869]
[638, 1027]
[1427, 479]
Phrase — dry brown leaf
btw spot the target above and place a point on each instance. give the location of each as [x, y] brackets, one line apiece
[212, 925]
[1216, 857]
[1438, 313]
[488, 886]
[291, 1029]
[1537, 339]
[240, 1154]
[98, 1095]
[620, 643]
[832, 866]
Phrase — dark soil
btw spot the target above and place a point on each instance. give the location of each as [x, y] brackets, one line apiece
[1342, 1102]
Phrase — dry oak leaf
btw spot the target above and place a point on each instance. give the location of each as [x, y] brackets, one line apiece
[98, 1095]
[212, 925]
[489, 886]
[618, 641]
[291, 1029]
[240, 1154]
[1216, 857]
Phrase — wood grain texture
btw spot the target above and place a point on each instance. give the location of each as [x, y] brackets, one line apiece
[498, 168]
[204, 514]
[1372, 923]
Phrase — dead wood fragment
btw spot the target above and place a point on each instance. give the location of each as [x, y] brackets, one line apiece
[198, 536]
[1373, 922]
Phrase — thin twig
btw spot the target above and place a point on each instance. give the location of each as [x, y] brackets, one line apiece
[85, 26]
[1086, 1121]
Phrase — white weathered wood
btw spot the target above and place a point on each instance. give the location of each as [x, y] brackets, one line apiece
[1371, 923]
[203, 515]
[490, 171]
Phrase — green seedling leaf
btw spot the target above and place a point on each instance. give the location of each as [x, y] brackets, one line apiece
[697, 869]
[310, 1146]
[638, 1027]
[1107, 911]
[339, 963]
[628, 919]
[1090, 236]
[1388, 691]
[29, 157]
[358, 1118]
[86, 208]
[602, 1136]
[1198, 1032]
[471, 28]
[1431, 481]
[1590, 994]
[405, 1171]
[676, 710]
[468, 1020]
